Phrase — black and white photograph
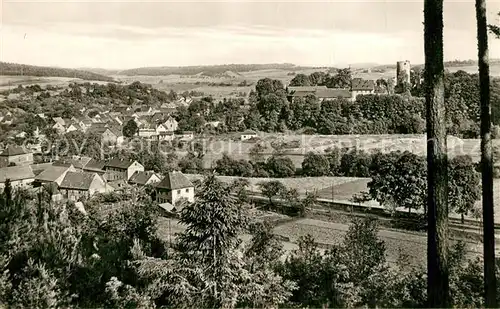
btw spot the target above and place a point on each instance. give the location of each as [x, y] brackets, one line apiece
[249, 154]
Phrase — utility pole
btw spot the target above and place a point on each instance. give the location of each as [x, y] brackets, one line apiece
[486, 157]
[437, 160]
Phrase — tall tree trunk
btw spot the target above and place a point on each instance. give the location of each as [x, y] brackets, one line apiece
[486, 157]
[437, 160]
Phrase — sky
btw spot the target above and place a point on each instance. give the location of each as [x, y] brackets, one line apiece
[130, 34]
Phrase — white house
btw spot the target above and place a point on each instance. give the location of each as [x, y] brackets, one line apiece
[59, 128]
[173, 187]
[170, 124]
[160, 129]
[248, 134]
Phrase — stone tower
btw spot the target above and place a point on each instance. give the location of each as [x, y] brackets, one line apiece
[403, 72]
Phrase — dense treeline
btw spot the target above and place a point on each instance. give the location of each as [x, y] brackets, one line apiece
[52, 255]
[7, 68]
[398, 179]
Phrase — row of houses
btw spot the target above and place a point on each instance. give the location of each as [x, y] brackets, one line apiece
[358, 87]
[80, 178]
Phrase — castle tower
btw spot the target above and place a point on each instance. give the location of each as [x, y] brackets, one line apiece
[403, 71]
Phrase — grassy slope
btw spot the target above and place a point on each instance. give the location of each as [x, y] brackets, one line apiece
[31, 70]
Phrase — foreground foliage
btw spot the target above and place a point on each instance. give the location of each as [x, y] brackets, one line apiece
[54, 256]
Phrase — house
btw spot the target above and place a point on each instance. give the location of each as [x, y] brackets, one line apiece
[165, 136]
[333, 93]
[362, 86]
[76, 186]
[248, 134]
[109, 134]
[161, 129]
[78, 162]
[53, 174]
[85, 124]
[213, 124]
[147, 131]
[95, 166]
[174, 187]
[15, 155]
[59, 128]
[19, 176]
[187, 135]
[59, 120]
[171, 124]
[73, 127]
[144, 178]
[121, 169]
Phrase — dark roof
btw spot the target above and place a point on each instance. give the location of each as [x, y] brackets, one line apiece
[95, 165]
[119, 163]
[362, 84]
[333, 93]
[77, 181]
[13, 151]
[16, 173]
[174, 180]
[302, 93]
[141, 177]
[77, 163]
[305, 88]
[52, 173]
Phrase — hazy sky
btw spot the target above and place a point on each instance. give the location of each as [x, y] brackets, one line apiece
[127, 34]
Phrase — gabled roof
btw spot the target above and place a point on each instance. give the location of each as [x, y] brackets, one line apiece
[174, 180]
[77, 163]
[119, 163]
[362, 84]
[305, 88]
[333, 93]
[59, 120]
[16, 173]
[77, 181]
[249, 132]
[141, 177]
[13, 151]
[52, 173]
[95, 165]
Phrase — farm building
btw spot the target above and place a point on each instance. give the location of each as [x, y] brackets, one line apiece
[81, 185]
[143, 178]
[15, 155]
[19, 176]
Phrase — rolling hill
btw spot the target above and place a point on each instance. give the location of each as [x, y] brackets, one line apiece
[208, 70]
[17, 69]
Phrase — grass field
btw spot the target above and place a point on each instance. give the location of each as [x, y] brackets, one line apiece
[9, 82]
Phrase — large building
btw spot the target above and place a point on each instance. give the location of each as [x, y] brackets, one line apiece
[120, 169]
[19, 176]
[358, 86]
[14, 155]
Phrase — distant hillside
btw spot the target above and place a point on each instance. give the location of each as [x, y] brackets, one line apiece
[100, 71]
[16, 69]
[209, 70]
